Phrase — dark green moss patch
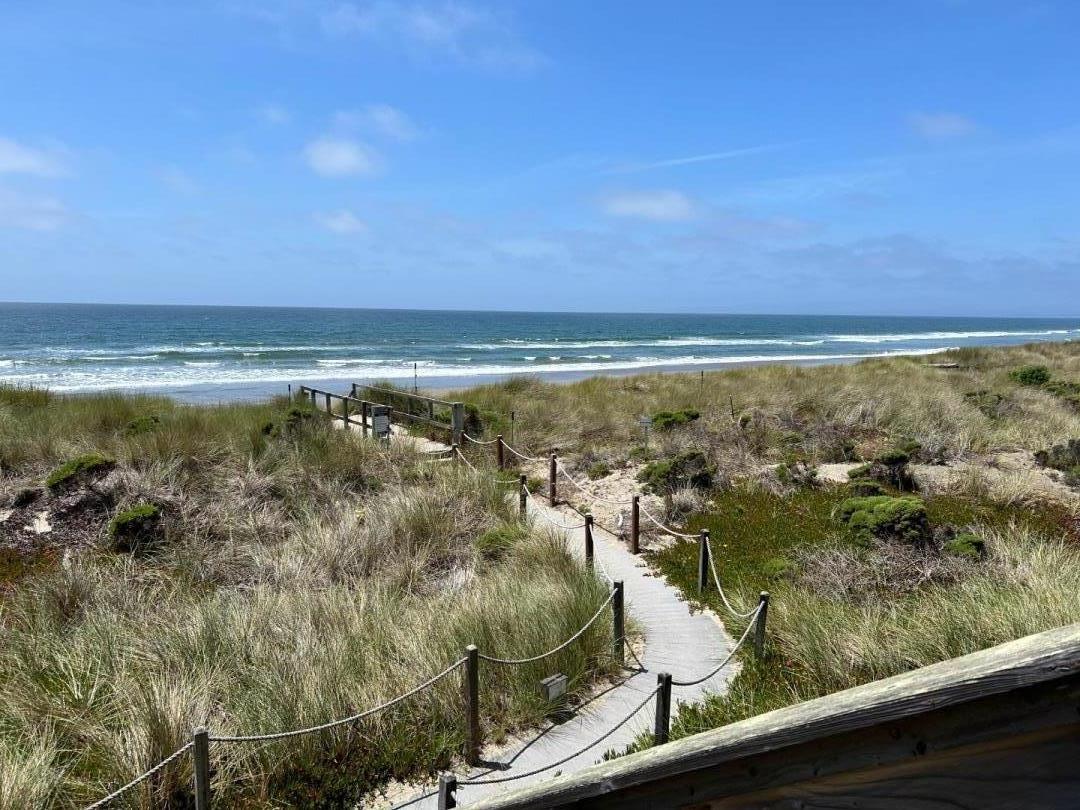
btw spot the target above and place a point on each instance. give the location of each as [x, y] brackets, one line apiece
[142, 424]
[137, 529]
[597, 470]
[666, 420]
[496, 542]
[1030, 375]
[689, 469]
[78, 469]
[966, 544]
[886, 518]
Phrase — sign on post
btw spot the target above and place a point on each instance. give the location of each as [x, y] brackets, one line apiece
[646, 423]
[380, 421]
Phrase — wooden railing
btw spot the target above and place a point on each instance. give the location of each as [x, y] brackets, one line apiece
[417, 408]
[352, 406]
[995, 729]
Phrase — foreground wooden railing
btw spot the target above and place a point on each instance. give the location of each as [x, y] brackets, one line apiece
[354, 406]
[995, 729]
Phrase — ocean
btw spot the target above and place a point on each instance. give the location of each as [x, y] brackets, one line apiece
[222, 353]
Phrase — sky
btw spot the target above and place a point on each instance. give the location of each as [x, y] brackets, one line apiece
[809, 156]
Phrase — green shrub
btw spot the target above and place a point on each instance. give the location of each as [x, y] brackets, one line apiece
[862, 471]
[1030, 375]
[887, 518]
[893, 458]
[966, 544]
[1063, 388]
[136, 529]
[1064, 457]
[142, 424]
[777, 567]
[598, 469]
[988, 402]
[496, 542]
[690, 469]
[76, 469]
[666, 420]
[864, 488]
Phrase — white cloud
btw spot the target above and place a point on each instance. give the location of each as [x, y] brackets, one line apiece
[941, 125]
[342, 222]
[705, 158]
[30, 212]
[17, 158]
[658, 206]
[273, 114]
[381, 118]
[449, 29]
[340, 157]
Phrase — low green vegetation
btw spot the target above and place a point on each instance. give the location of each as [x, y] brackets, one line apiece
[689, 469]
[666, 420]
[886, 518]
[1063, 457]
[250, 568]
[1030, 375]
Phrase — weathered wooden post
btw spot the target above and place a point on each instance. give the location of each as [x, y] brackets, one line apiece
[345, 411]
[201, 755]
[523, 495]
[703, 561]
[329, 412]
[662, 727]
[447, 789]
[312, 392]
[588, 538]
[455, 454]
[618, 622]
[500, 456]
[551, 479]
[513, 419]
[352, 390]
[457, 421]
[472, 704]
[635, 525]
[759, 624]
[365, 412]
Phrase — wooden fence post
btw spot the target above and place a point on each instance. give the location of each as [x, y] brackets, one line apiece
[618, 623]
[472, 704]
[523, 497]
[457, 421]
[312, 392]
[551, 479]
[447, 789]
[365, 412]
[662, 727]
[345, 411]
[201, 756]
[635, 524]
[759, 624]
[703, 561]
[588, 538]
[329, 412]
[455, 454]
[500, 456]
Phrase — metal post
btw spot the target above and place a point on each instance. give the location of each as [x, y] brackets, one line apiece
[703, 561]
[523, 496]
[759, 628]
[551, 479]
[447, 788]
[635, 524]
[365, 412]
[472, 704]
[588, 538]
[201, 755]
[500, 456]
[662, 728]
[618, 622]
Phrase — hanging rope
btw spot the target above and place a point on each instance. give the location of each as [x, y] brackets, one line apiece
[544, 515]
[563, 646]
[727, 658]
[477, 441]
[139, 779]
[660, 525]
[560, 468]
[720, 590]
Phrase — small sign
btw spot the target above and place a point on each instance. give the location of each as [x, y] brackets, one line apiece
[554, 686]
[380, 421]
[645, 421]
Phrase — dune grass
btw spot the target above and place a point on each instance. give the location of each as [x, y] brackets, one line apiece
[304, 575]
[821, 413]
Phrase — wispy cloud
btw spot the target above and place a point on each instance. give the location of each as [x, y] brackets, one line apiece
[19, 158]
[340, 157]
[342, 222]
[941, 125]
[387, 121]
[708, 157]
[30, 212]
[453, 30]
[663, 205]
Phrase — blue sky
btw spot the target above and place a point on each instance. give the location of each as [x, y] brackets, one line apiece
[916, 157]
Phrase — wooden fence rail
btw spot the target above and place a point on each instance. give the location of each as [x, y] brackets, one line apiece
[995, 729]
[352, 405]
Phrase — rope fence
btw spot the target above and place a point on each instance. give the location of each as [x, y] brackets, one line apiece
[200, 744]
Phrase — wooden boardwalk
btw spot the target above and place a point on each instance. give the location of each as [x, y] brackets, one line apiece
[685, 644]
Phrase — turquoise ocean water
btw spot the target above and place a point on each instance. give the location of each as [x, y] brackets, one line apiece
[217, 353]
